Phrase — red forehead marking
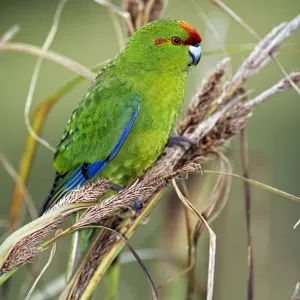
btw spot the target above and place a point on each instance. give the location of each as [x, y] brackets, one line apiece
[193, 35]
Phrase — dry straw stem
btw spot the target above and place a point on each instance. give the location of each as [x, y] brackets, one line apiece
[239, 20]
[212, 242]
[36, 71]
[218, 198]
[53, 250]
[59, 59]
[144, 11]
[15, 176]
[8, 35]
[137, 12]
[247, 196]
[125, 14]
[22, 245]
[121, 237]
[216, 113]
[296, 295]
[296, 224]
[280, 87]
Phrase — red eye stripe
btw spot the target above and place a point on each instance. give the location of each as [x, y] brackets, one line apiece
[160, 41]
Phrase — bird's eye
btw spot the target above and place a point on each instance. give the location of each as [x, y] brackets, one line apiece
[176, 40]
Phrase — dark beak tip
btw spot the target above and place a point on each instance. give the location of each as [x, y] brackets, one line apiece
[197, 60]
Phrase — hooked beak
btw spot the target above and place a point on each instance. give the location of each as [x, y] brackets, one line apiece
[195, 54]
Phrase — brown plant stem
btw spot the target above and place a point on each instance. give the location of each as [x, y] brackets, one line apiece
[191, 248]
[247, 195]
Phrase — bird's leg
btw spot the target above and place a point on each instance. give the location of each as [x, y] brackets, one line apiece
[116, 188]
[179, 140]
[137, 206]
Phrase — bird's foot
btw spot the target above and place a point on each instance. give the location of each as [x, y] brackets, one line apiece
[137, 206]
[179, 140]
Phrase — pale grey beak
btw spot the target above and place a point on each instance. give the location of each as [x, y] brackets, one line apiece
[195, 54]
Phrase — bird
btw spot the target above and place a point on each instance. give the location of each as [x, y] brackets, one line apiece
[124, 121]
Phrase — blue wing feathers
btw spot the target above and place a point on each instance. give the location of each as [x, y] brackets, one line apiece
[62, 185]
[123, 137]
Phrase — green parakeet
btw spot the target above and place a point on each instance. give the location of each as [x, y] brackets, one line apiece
[122, 124]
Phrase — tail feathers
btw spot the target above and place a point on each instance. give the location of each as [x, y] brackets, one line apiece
[65, 183]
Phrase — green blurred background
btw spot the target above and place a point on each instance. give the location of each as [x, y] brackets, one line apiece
[86, 35]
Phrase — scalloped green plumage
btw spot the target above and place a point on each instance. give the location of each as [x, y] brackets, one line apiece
[155, 76]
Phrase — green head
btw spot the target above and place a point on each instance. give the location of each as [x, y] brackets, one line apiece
[165, 45]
